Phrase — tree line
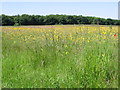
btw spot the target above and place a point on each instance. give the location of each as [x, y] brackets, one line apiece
[26, 19]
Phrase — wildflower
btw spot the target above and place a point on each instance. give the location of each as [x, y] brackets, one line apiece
[66, 52]
[115, 35]
[103, 55]
[104, 32]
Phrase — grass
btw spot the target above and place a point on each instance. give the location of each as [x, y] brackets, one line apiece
[60, 57]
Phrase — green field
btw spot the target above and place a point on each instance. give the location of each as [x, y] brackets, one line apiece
[60, 56]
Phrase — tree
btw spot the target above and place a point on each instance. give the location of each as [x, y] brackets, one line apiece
[26, 19]
[7, 20]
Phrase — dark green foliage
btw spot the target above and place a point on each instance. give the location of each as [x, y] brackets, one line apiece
[7, 20]
[26, 19]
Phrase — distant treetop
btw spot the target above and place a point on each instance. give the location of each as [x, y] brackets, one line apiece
[26, 19]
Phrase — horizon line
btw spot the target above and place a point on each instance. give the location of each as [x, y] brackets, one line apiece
[64, 14]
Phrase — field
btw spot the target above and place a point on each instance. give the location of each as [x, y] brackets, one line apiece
[60, 56]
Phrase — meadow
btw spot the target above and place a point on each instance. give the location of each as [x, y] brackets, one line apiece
[60, 56]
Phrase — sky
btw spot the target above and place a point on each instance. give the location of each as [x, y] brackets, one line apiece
[59, 0]
[97, 9]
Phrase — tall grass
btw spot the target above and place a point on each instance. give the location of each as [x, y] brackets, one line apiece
[73, 59]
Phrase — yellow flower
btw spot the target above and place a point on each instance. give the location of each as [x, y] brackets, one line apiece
[66, 53]
[103, 55]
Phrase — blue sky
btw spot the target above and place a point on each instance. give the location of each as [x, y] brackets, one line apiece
[98, 9]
